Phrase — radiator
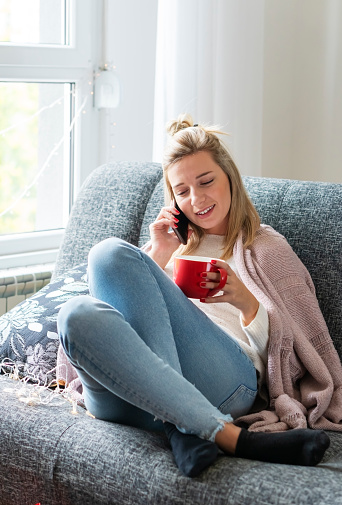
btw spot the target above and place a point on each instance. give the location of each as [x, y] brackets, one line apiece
[17, 284]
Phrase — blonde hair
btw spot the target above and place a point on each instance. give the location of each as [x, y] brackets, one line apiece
[186, 139]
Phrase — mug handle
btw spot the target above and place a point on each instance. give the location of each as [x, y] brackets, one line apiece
[223, 280]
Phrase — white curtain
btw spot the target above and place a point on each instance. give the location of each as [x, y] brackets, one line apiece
[268, 71]
[209, 63]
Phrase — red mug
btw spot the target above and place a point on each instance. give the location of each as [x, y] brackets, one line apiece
[187, 272]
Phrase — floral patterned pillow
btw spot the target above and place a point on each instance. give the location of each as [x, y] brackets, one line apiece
[28, 332]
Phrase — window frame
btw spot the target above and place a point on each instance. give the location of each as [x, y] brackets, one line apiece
[74, 63]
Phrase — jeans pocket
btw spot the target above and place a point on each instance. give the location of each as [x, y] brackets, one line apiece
[240, 402]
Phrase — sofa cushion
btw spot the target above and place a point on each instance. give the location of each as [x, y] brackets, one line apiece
[50, 455]
[28, 332]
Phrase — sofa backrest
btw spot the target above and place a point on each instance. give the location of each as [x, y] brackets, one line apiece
[122, 199]
[111, 202]
[309, 215]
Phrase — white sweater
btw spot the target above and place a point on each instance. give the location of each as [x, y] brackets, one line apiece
[252, 338]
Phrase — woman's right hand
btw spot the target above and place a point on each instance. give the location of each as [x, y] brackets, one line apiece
[163, 241]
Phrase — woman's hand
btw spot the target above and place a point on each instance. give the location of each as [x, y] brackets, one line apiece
[234, 292]
[163, 242]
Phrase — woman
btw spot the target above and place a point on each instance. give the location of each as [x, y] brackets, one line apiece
[149, 357]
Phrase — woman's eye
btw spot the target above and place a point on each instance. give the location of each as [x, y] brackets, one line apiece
[204, 183]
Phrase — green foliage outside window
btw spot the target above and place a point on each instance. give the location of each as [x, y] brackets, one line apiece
[18, 155]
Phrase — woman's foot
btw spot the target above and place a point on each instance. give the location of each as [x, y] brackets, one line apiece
[192, 454]
[293, 447]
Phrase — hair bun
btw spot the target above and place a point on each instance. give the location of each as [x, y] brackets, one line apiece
[175, 125]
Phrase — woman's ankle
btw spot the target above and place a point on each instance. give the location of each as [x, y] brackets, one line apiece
[227, 438]
[192, 454]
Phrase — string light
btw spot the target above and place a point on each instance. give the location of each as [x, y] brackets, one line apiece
[46, 164]
[74, 407]
[30, 390]
[54, 151]
[32, 117]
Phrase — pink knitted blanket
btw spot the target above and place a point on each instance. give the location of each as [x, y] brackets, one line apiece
[304, 372]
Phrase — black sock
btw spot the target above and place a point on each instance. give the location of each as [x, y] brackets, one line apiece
[294, 447]
[192, 454]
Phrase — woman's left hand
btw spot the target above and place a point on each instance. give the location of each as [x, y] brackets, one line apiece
[233, 292]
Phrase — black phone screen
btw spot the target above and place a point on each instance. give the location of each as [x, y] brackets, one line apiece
[182, 226]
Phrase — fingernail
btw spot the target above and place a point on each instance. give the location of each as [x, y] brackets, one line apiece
[203, 284]
[203, 274]
[202, 300]
[177, 211]
[213, 262]
[175, 226]
[176, 220]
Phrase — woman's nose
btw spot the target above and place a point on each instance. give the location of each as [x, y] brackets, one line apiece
[197, 198]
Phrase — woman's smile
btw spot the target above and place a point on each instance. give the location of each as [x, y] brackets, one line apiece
[206, 212]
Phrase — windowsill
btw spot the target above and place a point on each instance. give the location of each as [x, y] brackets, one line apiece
[29, 248]
[27, 259]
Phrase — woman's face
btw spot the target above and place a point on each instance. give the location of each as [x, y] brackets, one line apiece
[202, 191]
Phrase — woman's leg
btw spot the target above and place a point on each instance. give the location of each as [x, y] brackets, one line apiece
[127, 279]
[172, 326]
[86, 326]
[111, 356]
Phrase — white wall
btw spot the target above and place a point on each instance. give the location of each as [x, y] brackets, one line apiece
[131, 48]
[302, 103]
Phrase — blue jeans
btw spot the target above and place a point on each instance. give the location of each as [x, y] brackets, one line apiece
[143, 350]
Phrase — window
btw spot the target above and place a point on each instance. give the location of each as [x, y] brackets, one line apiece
[35, 155]
[35, 21]
[46, 121]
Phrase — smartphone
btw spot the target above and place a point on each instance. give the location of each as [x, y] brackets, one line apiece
[182, 226]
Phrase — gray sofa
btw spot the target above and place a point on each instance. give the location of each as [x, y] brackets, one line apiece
[52, 456]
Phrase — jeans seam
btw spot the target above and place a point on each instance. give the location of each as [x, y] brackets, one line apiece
[246, 389]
